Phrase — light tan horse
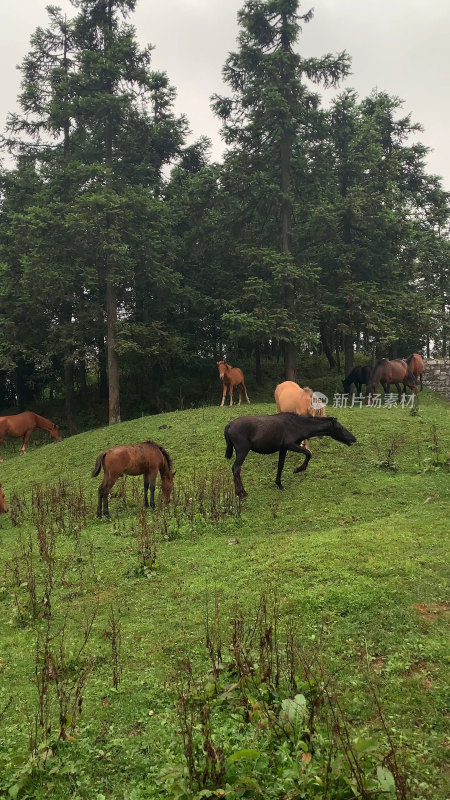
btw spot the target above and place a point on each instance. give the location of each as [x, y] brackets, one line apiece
[147, 459]
[232, 378]
[23, 425]
[416, 364]
[289, 396]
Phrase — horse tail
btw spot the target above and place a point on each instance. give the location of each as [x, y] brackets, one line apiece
[411, 378]
[98, 464]
[229, 450]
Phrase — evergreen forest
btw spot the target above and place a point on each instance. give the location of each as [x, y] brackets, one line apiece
[131, 263]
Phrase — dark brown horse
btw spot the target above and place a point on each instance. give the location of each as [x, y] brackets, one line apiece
[357, 376]
[386, 372]
[278, 433]
[416, 364]
[231, 377]
[23, 425]
[3, 506]
[147, 459]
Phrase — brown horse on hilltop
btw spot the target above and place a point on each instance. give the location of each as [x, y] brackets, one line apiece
[416, 364]
[23, 425]
[3, 507]
[232, 378]
[386, 372]
[147, 459]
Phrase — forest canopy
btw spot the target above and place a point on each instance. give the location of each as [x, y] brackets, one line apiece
[131, 263]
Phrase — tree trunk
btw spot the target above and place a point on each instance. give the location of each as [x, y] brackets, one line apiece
[69, 394]
[338, 351]
[349, 356]
[290, 362]
[428, 346]
[286, 243]
[82, 381]
[326, 345]
[258, 370]
[113, 363]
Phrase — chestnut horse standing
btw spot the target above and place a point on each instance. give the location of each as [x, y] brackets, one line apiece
[386, 372]
[231, 377]
[147, 459]
[23, 425]
[417, 366]
[3, 506]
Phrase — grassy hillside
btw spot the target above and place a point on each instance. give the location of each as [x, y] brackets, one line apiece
[354, 550]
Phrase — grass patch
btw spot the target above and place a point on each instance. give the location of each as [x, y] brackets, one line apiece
[355, 549]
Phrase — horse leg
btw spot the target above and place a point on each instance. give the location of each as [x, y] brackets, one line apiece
[105, 488]
[25, 441]
[245, 392]
[421, 384]
[281, 460]
[151, 479]
[224, 393]
[399, 391]
[236, 469]
[231, 393]
[240, 393]
[296, 448]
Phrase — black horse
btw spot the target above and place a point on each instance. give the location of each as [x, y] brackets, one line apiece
[358, 376]
[278, 432]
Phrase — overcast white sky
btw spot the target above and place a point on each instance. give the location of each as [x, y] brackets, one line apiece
[399, 46]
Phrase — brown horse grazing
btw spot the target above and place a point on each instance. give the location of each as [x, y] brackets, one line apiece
[387, 372]
[289, 396]
[147, 459]
[231, 377]
[277, 433]
[23, 425]
[416, 364]
[3, 507]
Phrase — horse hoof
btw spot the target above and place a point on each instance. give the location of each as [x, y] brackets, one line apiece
[243, 496]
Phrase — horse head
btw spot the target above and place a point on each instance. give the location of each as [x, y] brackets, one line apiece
[3, 507]
[55, 434]
[224, 369]
[167, 484]
[340, 433]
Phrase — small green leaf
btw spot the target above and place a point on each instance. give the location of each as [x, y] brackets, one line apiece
[385, 779]
[243, 755]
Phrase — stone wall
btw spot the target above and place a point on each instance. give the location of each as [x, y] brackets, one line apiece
[437, 375]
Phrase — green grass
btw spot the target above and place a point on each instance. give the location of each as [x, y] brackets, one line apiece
[349, 542]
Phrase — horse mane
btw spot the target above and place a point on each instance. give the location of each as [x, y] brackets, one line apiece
[163, 451]
[48, 424]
